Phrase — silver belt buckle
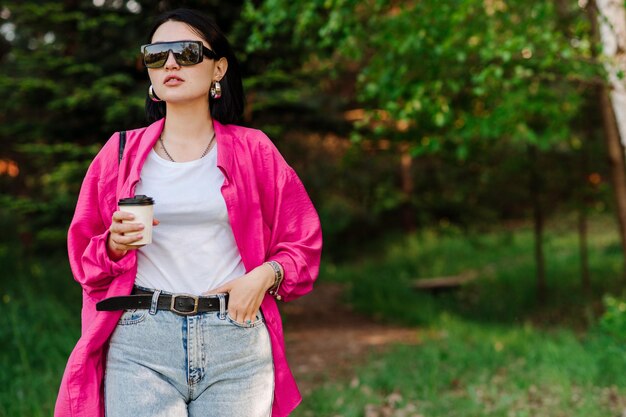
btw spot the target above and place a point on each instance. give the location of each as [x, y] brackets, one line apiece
[184, 313]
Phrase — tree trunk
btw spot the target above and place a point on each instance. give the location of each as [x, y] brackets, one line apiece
[406, 164]
[563, 8]
[610, 35]
[584, 253]
[616, 159]
[538, 222]
[582, 222]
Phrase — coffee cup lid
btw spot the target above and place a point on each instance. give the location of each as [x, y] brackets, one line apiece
[138, 200]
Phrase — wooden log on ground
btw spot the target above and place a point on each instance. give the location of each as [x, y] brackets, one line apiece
[445, 283]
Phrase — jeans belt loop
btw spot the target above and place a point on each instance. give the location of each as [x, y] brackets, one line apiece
[155, 301]
[222, 315]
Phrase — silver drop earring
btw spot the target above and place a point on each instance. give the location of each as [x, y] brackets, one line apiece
[216, 90]
[153, 95]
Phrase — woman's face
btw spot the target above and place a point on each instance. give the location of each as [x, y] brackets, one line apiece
[194, 81]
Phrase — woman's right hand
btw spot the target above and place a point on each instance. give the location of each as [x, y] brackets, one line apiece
[118, 244]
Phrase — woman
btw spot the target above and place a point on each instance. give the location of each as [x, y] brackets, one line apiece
[234, 229]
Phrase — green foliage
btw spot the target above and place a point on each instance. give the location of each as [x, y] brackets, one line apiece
[447, 71]
[613, 321]
[70, 76]
[66, 69]
[39, 324]
[463, 87]
[381, 282]
[468, 86]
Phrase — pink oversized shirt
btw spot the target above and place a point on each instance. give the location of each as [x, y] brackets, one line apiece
[272, 218]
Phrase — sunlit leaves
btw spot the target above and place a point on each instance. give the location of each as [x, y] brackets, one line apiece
[473, 69]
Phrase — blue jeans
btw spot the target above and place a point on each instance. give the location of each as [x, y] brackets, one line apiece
[160, 364]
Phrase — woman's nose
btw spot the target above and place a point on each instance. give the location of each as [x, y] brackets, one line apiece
[171, 61]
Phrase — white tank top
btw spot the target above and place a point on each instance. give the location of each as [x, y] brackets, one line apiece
[193, 249]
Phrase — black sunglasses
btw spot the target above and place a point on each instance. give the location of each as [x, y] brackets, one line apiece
[185, 53]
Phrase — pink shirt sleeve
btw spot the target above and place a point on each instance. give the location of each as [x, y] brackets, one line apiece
[89, 229]
[296, 241]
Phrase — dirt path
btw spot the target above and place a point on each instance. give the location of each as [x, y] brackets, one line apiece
[325, 340]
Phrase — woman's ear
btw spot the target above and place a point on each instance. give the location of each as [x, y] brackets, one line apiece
[221, 66]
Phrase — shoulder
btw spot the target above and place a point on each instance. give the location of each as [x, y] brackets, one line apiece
[110, 149]
[248, 136]
[133, 136]
[106, 160]
[258, 146]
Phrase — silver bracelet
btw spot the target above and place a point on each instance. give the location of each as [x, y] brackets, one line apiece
[278, 279]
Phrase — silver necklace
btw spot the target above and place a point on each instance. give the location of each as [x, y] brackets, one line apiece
[170, 156]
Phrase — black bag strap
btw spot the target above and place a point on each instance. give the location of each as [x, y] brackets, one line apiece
[122, 145]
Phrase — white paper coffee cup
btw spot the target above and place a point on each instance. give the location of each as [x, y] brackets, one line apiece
[143, 209]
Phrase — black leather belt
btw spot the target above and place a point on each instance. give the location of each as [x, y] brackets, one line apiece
[181, 304]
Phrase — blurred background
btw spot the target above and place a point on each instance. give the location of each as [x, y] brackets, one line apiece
[466, 159]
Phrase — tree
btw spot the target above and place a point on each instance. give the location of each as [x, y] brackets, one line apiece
[71, 76]
[446, 76]
[608, 19]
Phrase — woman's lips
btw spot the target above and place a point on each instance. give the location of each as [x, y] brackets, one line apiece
[173, 81]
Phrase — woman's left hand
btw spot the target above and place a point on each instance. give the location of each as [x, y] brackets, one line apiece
[246, 293]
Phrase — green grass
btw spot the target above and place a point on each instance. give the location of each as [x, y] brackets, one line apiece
[467, 369]
[489, 349]
[39, 325]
